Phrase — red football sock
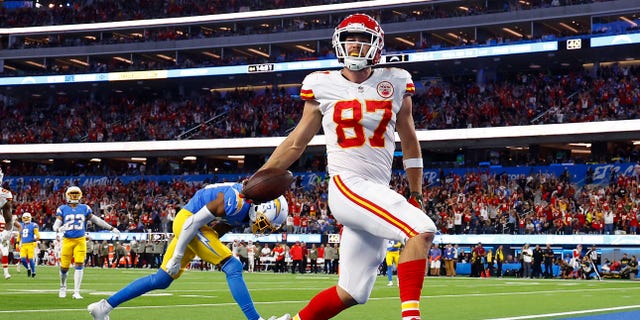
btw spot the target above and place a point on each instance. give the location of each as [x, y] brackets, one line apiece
[5, 261]
[325, 305]
[411, 278]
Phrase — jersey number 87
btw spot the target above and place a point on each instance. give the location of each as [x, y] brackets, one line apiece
[354, 123]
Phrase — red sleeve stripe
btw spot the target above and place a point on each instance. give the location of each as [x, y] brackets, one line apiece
[307, 94]
[411, 88]
[373, 208]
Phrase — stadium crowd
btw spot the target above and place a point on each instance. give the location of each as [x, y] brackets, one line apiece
[478, 202]
[87, 11]
[90, 12]
[611, 93]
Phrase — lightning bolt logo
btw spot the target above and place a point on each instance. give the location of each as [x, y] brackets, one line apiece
[206, 243]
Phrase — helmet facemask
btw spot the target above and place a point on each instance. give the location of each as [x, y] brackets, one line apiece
[73, 195]
[268, 217]
[262, 225]
[359, 31]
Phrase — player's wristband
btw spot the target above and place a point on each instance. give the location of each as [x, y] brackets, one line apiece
[412, 163]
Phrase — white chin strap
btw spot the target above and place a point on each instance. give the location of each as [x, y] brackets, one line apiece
[355, 63]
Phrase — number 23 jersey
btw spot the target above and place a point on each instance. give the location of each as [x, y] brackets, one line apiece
[359, 119]
[74, 218]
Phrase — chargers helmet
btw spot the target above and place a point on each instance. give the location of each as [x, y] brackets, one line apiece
[268, 216]
[26, 217]
[362, 25]
[73, 194]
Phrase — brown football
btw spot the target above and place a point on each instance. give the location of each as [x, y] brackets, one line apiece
[267, 184]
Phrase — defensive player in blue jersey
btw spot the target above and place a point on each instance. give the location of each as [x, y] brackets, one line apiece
[196, 235]
[71, 221]
[29, 235]
[392, 258]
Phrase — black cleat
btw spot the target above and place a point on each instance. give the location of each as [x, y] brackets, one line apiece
[33, 275]
[28, 273]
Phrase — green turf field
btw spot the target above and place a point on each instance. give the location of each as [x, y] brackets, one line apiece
[204, 295]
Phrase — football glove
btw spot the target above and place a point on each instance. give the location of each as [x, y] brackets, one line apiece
[173, 266]
[63, 228]
[415, 198]
[115, 232]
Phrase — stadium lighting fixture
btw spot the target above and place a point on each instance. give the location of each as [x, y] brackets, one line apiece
[631, 22]
[125, 60]
[189, 158]
[35, 64]
[258, 52]
[458, 37]
[463, 8]
[304, 48]
[95, 160]
[240, 157]
[211, 54]
[10, 67]
[80, 62]
[165, 57]
[405, 41]
[6, 161]
[580, 144]
[140, 159]
[568, 27]
[512, 32]
[636, 143]
[581, 151]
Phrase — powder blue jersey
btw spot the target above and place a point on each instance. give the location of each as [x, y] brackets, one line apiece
[29, 232]
[236, 208]
[74, 219]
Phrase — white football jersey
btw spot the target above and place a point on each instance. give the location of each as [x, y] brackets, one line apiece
[359, 119]
[5, 195]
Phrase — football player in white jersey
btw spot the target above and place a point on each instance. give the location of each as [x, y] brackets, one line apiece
[251, 256]
[7, 221]
[71, 221]
[360, 109]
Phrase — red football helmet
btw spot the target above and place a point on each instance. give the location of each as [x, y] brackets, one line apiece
[359, 25]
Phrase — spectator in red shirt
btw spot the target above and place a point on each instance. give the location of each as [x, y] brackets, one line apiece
[279, 253]
[296, 257]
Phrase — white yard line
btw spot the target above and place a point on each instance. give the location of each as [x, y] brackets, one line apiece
[548, 315]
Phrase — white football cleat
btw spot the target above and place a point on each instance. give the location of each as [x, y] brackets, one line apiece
[63, 292]
[77, 296]
[286, 316]
[100, 310]
[7, 276]
[390, 284]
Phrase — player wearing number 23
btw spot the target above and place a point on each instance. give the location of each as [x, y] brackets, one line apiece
[71, 221]
[360, 109]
